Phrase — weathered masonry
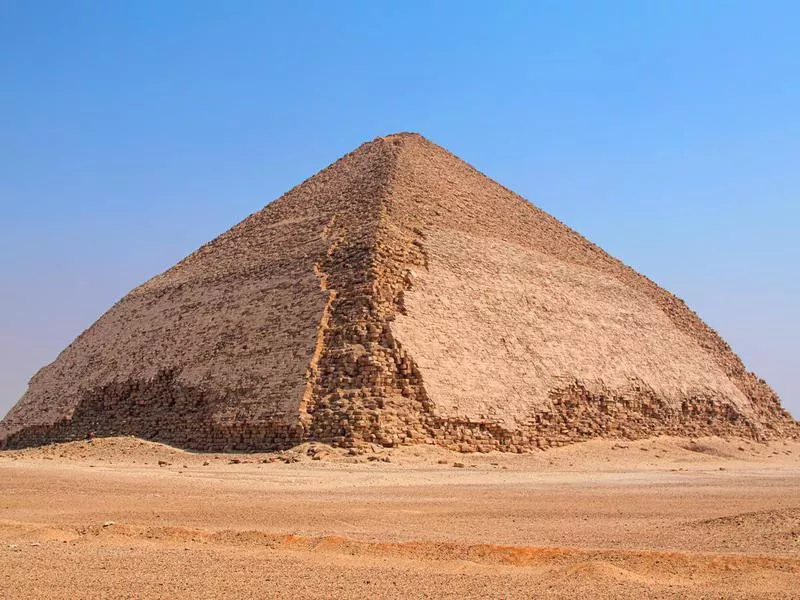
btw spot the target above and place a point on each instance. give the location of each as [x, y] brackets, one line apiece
[398, 296]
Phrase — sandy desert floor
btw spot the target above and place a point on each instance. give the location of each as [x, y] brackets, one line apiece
[658, 518]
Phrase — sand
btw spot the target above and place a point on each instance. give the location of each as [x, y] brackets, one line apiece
[658, 518]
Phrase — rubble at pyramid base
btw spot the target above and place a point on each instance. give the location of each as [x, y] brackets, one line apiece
[181, 416]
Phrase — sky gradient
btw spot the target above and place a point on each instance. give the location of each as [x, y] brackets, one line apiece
[666, 132]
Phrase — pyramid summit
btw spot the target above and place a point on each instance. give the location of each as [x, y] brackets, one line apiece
[398, 296]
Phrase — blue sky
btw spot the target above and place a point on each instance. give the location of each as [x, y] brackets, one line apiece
[666, 132]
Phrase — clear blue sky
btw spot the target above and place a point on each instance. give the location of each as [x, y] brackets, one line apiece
[667, 132]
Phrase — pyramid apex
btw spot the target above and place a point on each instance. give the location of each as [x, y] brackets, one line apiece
[403, 135]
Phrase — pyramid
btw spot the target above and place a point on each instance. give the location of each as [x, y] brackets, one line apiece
[398, 296]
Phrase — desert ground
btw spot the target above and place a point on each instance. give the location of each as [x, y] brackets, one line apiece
[656, 518]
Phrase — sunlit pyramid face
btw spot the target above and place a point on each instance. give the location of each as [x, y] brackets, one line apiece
[398, 296]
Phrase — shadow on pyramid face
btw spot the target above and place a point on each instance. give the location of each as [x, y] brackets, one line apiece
[162, 410]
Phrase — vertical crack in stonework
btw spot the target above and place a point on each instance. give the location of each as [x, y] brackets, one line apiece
[346, 390]
[312, 375]
[368, 388]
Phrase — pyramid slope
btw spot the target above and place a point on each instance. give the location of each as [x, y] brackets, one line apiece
[515, 319]
[398, 296]
[215, 352]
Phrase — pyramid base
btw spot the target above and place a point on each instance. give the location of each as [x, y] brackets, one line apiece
[183, 418]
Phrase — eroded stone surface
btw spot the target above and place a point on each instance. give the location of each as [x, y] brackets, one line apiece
[398, 296]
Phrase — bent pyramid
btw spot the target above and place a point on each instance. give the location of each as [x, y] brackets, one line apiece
[398, 296]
